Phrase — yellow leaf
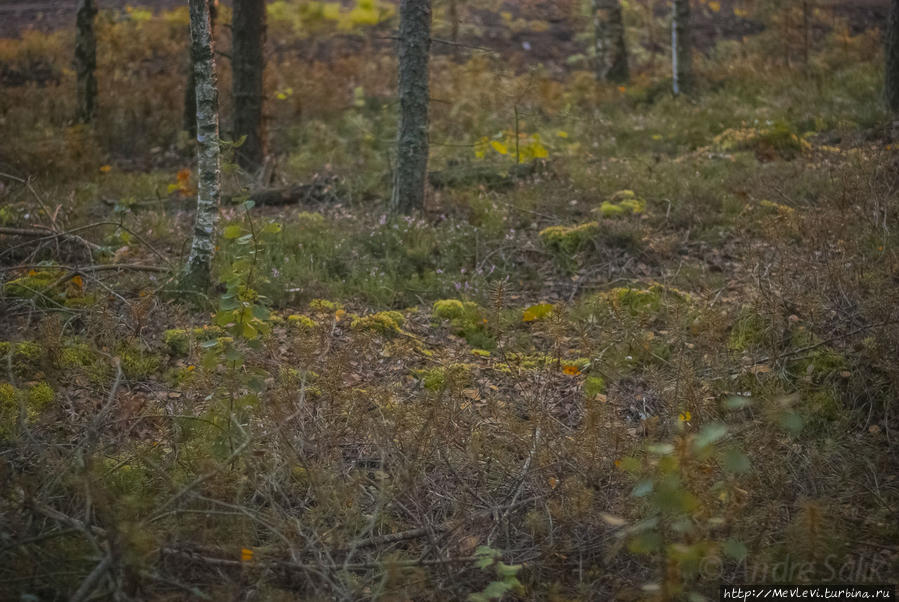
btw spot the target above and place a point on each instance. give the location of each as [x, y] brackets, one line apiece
[246, 554]
[622, 89]
[715, 6]
[685, 416]
[78, 281]
[105, 168]
[553, 482]
[562, 134]
[499, 147]
[571, 370]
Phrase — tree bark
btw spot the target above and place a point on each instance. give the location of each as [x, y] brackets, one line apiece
[681, 47]
[248, 64]
[190, 91]
[86, 60]
[611, 49]
[196, 276]
[891, 79]
[413, 48]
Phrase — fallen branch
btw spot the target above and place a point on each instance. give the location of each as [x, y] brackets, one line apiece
[88, 269]
[47, 234]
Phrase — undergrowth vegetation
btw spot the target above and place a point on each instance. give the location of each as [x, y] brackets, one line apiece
[659, 358]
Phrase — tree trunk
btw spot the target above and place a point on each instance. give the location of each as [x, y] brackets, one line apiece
[190, 91]
[453, 17]
[412, 137]
[611, 50]
[248, 64]
[196, 276]
[891, 79]
[681, 47]
[86, 60]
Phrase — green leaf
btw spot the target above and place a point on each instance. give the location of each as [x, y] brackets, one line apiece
[249, 203]
[792, 422]
[736, 402]
[710, 433]
[260, 313]
[643, 488]
[249, 331]
[735, 549]
[661, 449]
[271, 228]
[232, 231]
[736, 461]
[496, 589]
[507, 570]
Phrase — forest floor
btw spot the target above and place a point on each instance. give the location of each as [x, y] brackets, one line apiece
[653, 353]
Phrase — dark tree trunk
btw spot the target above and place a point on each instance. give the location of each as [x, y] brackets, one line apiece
[196, 276]
[681, 47]
[611, 50]
[413, 48]
[248, 64]
[86, 60]
[891, 79]
[190, 91]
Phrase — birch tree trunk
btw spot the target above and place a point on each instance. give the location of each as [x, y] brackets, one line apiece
[611, 50]
[681, 47]
[196, 276]
[190, 91]
[891, 79]
[86, 60]
[248, 64]
[413, 48]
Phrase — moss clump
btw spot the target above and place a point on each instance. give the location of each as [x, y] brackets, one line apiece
[611, 210]
[40, 396]
[452, 309]
[26, 356]
[384, 322]
[537, 312]
[467, 320]
[324, 306]
[594, 385]
[750, 330]
[34, 285]
[569, 239]
[300, 321]
[645, 303]
[138, 364]
[9, 409]
[177, 340]
[440, 378]
[622, 203]
[779, 139]
[37, 399]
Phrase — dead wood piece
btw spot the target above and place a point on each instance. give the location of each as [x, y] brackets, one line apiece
[493, 178]
[319, 191]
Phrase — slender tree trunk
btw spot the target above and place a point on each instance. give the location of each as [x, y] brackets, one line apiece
[248, 64]
[891, 79]
[454, 19]
[86, 60]
[681, 47]
[190, 91]
[611, 50]
[412, 138]
[196, 275]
